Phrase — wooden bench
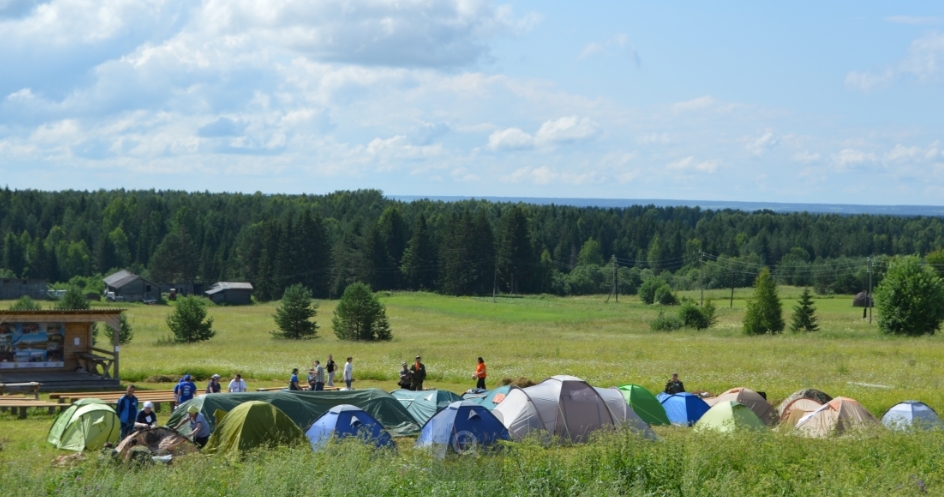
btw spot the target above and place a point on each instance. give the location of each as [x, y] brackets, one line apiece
[22, 405]
[32, 386]
[90, 362]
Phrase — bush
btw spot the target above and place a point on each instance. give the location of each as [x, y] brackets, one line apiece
[189, 321]
[125, 332]
[73, 299]
[360, 316]
[665, 322]
[647, 290]
[665, 296]
[910, 298]
[698, 317]
[25, 303]
[764, 312]
[293, 316]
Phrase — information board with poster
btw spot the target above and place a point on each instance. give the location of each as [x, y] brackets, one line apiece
[31, 345]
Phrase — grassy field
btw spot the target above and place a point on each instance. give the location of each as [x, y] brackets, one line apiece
[536, 337]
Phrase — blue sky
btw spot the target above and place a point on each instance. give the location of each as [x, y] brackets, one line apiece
[739, 101]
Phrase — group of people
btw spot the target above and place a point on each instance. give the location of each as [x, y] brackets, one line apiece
[413, 376]
[317, 375]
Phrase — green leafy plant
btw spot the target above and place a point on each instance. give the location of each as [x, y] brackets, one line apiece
[910, 300]
[666, 322]
[698, 317]
[25, 303]
[665, 296]
[189, 321]
[360, 315]
[73, 299]
[293, 316]
[647, 290]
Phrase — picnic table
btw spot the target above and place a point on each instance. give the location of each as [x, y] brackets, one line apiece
[32, 386]
[90, 362]
[20, 405]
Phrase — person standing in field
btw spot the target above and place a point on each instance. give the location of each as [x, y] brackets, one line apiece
[127, 410]
[214, 385]
[480, 374]
[406, 378]
[331, 367]
[147, 418]
[418, 369]
[237, 385]
[187, 390]
[311, 379]
[319, 376]
[349, 372]
[293, 380]
[674, 385]
[199, 428]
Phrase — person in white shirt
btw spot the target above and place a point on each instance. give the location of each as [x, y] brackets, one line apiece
[237, 384]
[349, 372]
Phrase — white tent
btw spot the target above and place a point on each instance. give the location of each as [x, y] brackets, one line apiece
[566, 406]
[623, 413]
[519, 414]
[911, 413]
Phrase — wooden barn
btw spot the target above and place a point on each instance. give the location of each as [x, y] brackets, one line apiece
[230, 293]
[12, 289]
[130, 287]
[54, 348]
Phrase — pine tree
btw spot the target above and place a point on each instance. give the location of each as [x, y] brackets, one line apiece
[803, 314]
[73, 300]
[516, 260]
[125, 331]
[293, 316]
[360, 315]
[764, 312]
[189, 321]
[419, 258]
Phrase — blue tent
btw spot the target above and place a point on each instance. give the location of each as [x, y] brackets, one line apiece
[464, 427]
[490, 398]
[346, 420]
[683, 409]
[911, 413]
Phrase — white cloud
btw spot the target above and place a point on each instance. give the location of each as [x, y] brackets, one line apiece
[510, 139]
[806, 157]
[690, 164]
[618, 44]
[694, 104]
[590, 49]
[566, 130]
[924, 61]
[848, 158]
[763, 143]
[654, 139]
[913, 20]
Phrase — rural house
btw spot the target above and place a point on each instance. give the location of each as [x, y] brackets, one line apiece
[131, 287]
[12, 289]
[232, 293]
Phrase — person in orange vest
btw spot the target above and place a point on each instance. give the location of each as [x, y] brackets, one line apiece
[480, 374]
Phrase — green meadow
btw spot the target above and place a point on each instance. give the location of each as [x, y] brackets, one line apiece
[607, 344]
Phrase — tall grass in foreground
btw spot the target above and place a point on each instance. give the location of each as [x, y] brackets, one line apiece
[616, 463]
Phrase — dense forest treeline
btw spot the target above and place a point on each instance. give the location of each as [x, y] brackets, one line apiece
[462, 248]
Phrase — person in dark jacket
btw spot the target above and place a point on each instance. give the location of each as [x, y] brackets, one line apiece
[214, 385]
[406, 378]
[146, 418]
[674, 385]
[127, 410]
[419, 374]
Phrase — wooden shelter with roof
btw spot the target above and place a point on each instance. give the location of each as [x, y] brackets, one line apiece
[54, 348]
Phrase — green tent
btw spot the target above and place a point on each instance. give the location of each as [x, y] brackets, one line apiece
[251, 425]
[424, 404]
[87, 424]
[645, 404]
[727, 416]
[304, 407]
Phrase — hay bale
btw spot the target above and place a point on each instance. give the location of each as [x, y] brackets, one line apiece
[160, 378]
[520, 382]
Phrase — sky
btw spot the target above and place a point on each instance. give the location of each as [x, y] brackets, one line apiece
[743, 101]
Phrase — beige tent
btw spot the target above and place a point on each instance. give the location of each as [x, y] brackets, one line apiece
[839, 416]
[795, 410]
[753, 400]
[806, 393]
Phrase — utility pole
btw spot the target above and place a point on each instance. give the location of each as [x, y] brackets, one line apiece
[495, 286]
[870, 290]
[613, 288]
[701, 276]
[732, 289]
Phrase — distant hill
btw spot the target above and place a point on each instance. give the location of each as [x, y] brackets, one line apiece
[890, 210]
